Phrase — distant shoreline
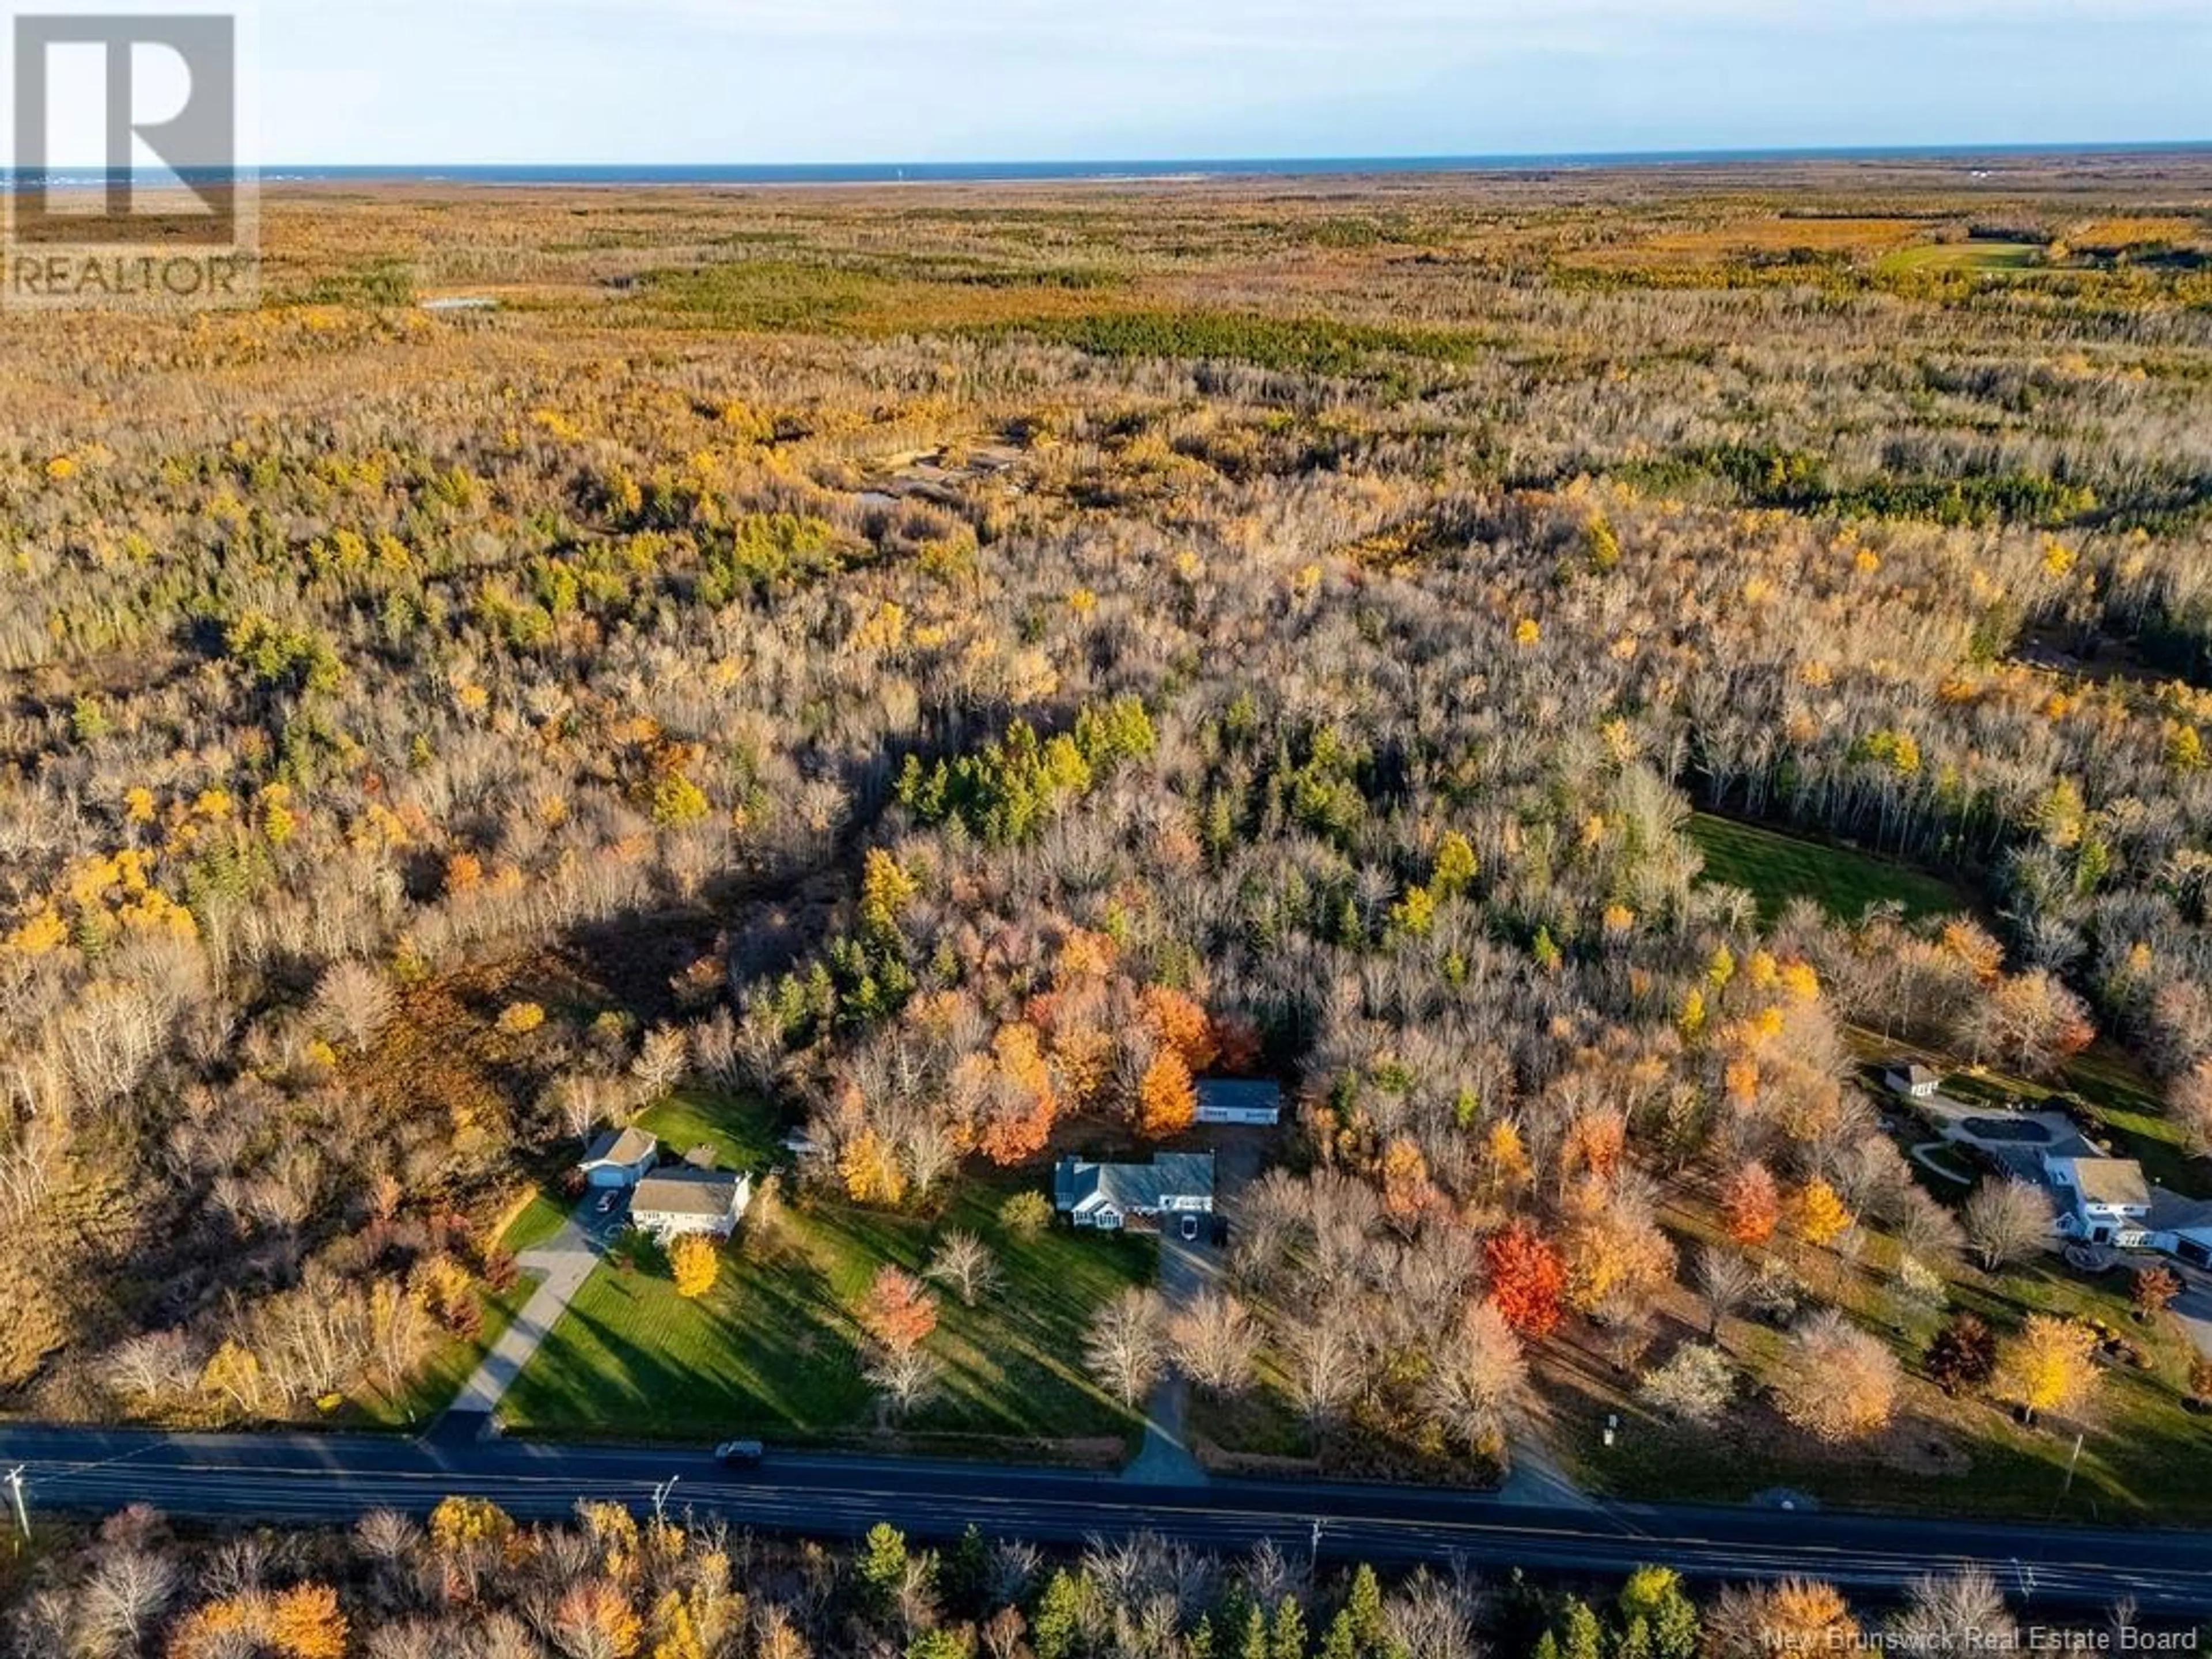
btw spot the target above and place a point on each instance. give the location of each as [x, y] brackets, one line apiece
[1191, 170]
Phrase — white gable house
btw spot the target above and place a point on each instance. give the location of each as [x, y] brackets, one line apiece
[1112, 1196]
[674, 1202]
[2101, 1200]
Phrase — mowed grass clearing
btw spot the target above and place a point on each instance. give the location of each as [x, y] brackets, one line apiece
[774, 1349]
[1777, 868]
[1944, 257]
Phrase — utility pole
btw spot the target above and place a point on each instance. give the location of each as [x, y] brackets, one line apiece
[15, 1486]
[1313, 1556]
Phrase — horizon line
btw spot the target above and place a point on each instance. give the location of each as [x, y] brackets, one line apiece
[1871, 150]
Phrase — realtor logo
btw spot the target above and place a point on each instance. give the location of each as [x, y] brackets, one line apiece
[160, 212]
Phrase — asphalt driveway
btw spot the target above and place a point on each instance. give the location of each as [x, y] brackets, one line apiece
[566, 1261]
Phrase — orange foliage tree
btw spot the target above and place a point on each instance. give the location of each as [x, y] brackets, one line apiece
[305, 1623]
[900, 1312]
[1408, 1194]
[1167, 1100]
[1526, 1279]
[1751, 1205]
[1181, 1025]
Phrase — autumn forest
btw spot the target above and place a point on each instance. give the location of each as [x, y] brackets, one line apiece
[1572, 674]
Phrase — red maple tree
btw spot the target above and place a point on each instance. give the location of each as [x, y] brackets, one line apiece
[1525, 1278]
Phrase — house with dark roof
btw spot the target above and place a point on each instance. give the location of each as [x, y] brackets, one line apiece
[620, 1157]
[1112, 1196]
[670, 1203]
[1239, 1100]
[2182, 1227]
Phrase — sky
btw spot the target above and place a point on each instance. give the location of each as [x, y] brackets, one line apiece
[431, 82]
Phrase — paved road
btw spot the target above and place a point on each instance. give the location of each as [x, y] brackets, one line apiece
[335, 1478]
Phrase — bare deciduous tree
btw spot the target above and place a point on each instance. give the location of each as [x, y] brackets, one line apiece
[352, 1002]
[965, 1265]
[1217, 1341]
[1726, 1278]
[1126, 1348]
[2006, 1221]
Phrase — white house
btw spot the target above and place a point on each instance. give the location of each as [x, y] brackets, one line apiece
[673, 1202]
[1112, 1196]
[2102, 1201]
[1912, 1082]
[620, 1159]
[1238, 1100]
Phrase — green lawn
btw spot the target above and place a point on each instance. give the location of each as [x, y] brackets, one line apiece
[450, 1364]
[741, 1130]
[1777, 868]
[536, 1224]
[1946, 256]
[774, 1349]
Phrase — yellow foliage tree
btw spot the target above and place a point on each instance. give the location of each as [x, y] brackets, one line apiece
[885, 891]
[695, 1262]
[1820, 1215]
[305, 1623]
[2050, 1366]
[460, 1523]
[871, 1170]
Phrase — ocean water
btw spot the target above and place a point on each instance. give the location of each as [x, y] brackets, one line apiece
[883, 172]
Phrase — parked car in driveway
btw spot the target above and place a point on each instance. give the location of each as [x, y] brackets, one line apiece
[606, 1206]
[1189, 1230]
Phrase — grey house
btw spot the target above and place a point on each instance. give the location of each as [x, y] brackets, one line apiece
[1112, 1196]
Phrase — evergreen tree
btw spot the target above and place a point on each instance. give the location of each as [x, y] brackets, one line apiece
[964, 1578]
[1363, 1607]
[881, 1567]
[1654, 1595]
[1288, 1640]
[1056, 1627]
[1580, 1634]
